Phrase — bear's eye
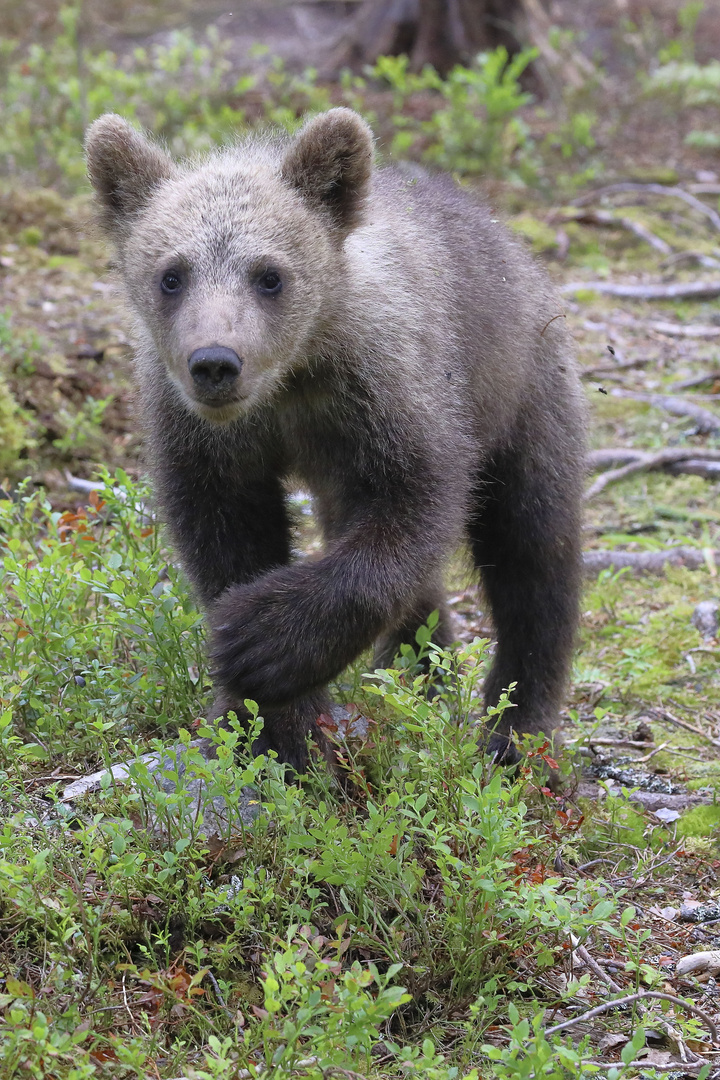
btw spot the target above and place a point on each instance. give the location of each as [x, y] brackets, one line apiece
[171, 282]
[270, 283]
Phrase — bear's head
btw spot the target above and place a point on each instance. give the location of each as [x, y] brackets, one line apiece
[233, 264]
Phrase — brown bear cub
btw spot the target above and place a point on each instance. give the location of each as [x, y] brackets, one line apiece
[302, 315]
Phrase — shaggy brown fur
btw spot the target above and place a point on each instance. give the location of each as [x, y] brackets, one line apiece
[302, 315]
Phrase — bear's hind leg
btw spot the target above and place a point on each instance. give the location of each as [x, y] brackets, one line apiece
[525, 537]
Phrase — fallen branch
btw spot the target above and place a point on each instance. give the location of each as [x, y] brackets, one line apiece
[610, 457]
[608, 219]
[663, 714]
[692, 330]
[691, 256]
[77, 483]
[704, 189]
[642, 995]
[697, 380]
[661, 326]
[647, 562]
[686, 290]
[614, 371]
[709, 470]
[619, 744]
[652, 189]
[681, 1068]
[642, 461]
[707, 422]
[584, 955]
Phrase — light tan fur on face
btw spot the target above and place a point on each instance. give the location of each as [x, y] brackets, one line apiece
[223, 223]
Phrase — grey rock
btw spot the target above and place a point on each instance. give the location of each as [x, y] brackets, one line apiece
[705, 618]
[699, 913]
[212, 815]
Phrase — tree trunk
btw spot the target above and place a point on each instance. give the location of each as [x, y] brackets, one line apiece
[438, 32]
[434, 42]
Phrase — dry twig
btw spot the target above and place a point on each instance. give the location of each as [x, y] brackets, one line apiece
[606, 218]
[594, 862]
[647, 562]
[642, 995]
[652, 189]
[641, 461]
[597, 970]
[663, 714]
[653, 752]
[683, 290]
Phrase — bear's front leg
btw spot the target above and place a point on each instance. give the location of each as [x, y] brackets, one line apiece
[293, 629]
[287, 728]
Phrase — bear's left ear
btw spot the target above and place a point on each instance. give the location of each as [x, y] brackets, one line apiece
[329, 163]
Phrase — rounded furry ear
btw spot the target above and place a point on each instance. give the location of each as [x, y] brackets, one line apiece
[124, 167]
[330, 163]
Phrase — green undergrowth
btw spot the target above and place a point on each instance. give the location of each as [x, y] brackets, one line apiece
[638, 643]
[414, 926]
[641, 655]
[654, 510]
[700, 821]
[188, 92]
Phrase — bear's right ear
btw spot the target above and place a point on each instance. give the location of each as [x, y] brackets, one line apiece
[124, 168]
[329, 162]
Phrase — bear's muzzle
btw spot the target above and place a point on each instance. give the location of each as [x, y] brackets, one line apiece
[214, 370]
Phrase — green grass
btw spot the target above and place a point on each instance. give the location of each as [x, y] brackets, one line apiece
[394, 933]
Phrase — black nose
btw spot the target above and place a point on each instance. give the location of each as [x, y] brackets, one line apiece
[214, 369]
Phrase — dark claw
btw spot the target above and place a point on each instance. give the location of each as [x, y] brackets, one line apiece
[501, 748]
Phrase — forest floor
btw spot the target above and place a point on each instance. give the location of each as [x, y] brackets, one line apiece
[643, 709]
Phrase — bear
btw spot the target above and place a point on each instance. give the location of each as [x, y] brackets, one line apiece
[303, 316]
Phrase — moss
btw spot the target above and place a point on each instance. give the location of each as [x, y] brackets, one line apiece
[613, 816]
[585, 296]
[64, 262]
[656, 174]
[541, 237]
[31, 236]
[700, 821]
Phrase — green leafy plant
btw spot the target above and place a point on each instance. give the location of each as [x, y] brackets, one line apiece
[479, 129]
[180, 90]
[103, 637]
[682, 47]
[681, 80]
[689, 84]
[476, 126]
